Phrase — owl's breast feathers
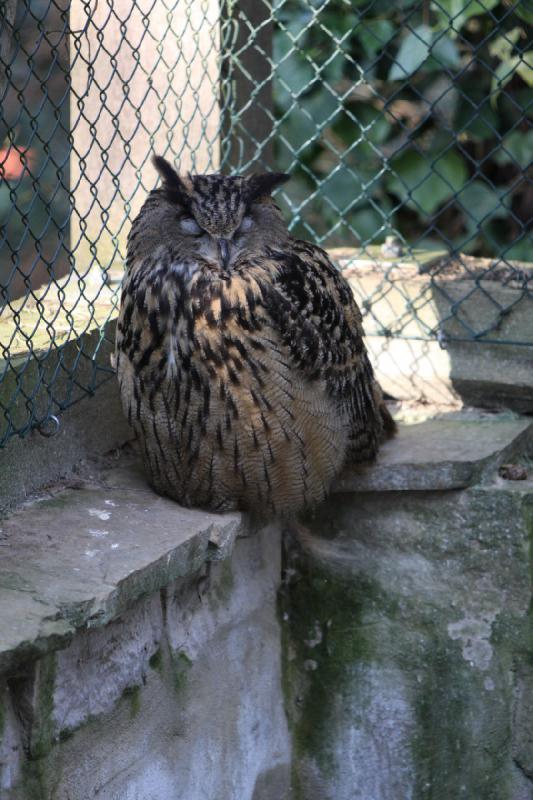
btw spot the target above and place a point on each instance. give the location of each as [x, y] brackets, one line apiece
[248, 390]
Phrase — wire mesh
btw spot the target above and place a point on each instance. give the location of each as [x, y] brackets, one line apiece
[405, 128]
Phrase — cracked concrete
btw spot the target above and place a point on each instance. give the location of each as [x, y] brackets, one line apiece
[59, 573]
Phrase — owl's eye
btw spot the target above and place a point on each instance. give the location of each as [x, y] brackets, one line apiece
[189, 225]
[245, 225]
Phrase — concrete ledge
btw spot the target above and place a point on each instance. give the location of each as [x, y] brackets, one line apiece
[452, 452]
[82, 556]
[87, 551]
[178, 697]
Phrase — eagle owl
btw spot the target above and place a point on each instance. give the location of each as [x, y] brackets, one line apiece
[240, 351]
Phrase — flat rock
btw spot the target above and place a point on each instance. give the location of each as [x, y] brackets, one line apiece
[451, 452]
[79, 558]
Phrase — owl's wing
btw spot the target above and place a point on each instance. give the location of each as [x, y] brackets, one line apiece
[320, 323]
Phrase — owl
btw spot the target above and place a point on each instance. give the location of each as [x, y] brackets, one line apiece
[239, 351]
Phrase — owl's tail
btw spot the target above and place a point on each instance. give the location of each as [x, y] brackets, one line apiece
[389, 426]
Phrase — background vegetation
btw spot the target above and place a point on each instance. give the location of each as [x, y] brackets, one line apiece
[34, 150]
[408, 116]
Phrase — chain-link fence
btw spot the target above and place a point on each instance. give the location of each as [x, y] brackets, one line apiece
[405, 127]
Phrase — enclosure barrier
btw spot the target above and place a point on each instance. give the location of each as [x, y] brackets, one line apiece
[404, 126]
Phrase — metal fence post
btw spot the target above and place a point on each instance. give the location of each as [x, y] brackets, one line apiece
[247, 27]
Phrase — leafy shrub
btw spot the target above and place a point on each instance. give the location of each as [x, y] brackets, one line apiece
[407, 116]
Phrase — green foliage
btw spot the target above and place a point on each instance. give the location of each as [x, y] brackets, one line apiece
[34, 155]
[408, 116]
[455, 13]
[425, 183]
[413, 52]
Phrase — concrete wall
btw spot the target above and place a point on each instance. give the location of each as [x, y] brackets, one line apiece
[408, 641]
[153, 652]
[178, 698]
[410, 649]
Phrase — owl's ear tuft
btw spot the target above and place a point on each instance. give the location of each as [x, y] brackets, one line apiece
[263, 185]
[175, 185]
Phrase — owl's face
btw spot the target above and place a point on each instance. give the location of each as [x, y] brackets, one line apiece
[220, 218]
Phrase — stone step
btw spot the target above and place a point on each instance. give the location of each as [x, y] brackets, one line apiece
[80, 557]
[453, 451]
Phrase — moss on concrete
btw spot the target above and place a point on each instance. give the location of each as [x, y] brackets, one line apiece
[226, 582]
[38, 779]
[527, 511]
[33, 785]
[411, 608]
[220, 580]
[44, 731]
[2, 714]
[440, 741]
[323, 637]
[132, 694]
[156, 661]
[180, 664]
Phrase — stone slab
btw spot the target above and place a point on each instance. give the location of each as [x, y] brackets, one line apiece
[452, 452]
[80, 557]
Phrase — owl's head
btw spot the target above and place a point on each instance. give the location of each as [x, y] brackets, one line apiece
[220, 216]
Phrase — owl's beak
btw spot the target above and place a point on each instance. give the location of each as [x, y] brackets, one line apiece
[224, 250]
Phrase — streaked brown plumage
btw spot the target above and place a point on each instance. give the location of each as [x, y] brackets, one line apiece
[240, 351]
